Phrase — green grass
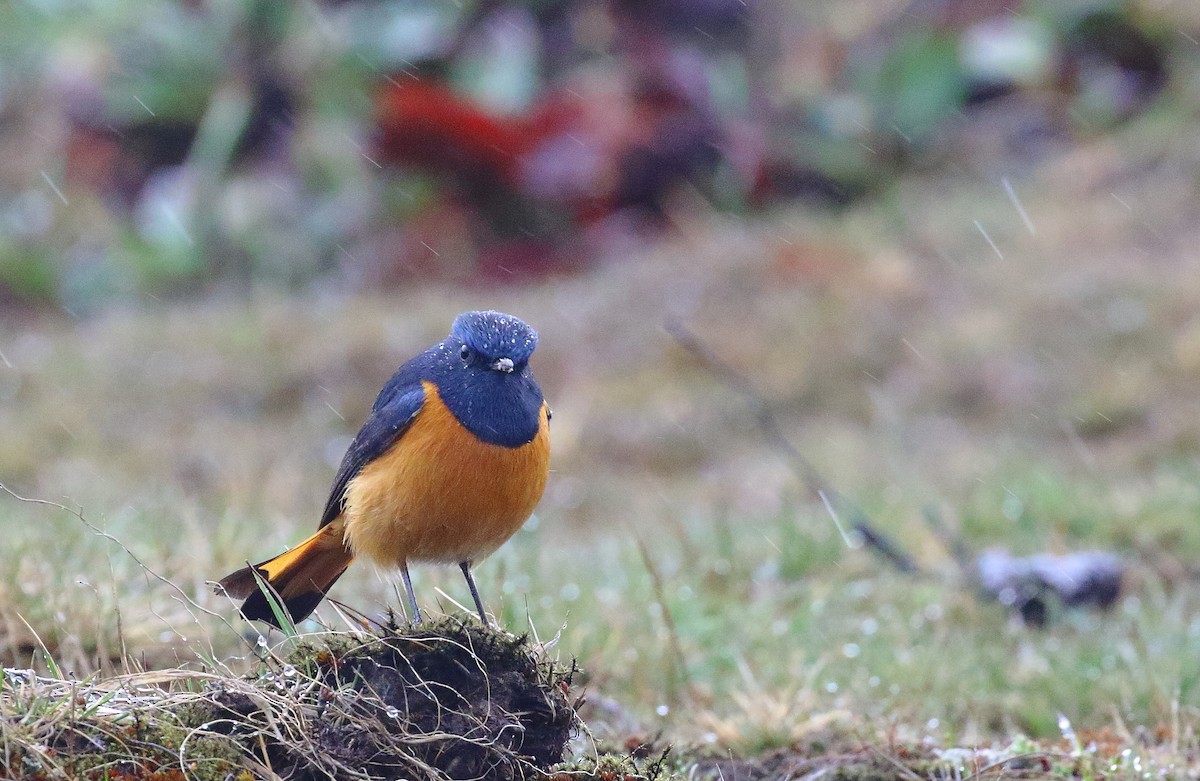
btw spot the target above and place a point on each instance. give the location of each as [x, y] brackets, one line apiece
[775, 607]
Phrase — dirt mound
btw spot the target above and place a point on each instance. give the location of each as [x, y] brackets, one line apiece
[470, 702]
[446, 700]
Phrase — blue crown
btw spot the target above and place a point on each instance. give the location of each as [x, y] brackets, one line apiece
[495, 335]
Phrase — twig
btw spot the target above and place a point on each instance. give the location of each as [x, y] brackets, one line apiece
[767, 423]
[678, 659]
[954, 543]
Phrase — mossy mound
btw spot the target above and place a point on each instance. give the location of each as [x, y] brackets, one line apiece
[449, 700]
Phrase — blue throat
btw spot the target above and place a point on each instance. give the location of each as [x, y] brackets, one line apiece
[501, 409]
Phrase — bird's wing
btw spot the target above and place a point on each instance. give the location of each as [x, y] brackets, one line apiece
[394, 410]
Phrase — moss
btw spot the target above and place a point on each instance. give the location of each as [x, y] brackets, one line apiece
[617, 767]
[142, 746]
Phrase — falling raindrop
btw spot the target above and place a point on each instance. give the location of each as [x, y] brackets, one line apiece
[1012, 196]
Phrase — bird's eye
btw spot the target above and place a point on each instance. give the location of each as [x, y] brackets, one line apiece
[465, 353]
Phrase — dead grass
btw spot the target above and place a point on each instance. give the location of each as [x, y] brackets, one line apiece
[458, 702]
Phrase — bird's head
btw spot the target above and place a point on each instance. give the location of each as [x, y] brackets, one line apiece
[493, 340]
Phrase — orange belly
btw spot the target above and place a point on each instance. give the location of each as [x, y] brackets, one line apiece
[441, 494]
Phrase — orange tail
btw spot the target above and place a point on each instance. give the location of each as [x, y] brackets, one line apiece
[300, 577]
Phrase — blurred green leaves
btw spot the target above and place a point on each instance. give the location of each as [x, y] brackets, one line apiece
[174, 145]
[920, 84]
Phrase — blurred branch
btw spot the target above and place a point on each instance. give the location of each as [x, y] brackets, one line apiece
[1022, 584]
[954, 543]
[767, 423]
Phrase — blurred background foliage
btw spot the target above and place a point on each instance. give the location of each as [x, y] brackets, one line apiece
[173, 147]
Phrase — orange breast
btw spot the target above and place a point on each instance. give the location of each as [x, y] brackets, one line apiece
[441, 494]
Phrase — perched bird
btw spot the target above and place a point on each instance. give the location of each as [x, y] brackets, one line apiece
[450, 463]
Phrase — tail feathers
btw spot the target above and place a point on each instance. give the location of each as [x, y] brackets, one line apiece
[300, 577]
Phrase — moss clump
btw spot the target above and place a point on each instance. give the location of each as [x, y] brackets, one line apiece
[141, 745]
[608, 766]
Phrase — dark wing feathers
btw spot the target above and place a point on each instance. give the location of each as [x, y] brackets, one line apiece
[397, 405]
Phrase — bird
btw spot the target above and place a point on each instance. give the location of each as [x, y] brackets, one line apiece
[450, 463]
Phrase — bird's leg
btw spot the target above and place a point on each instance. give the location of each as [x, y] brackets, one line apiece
[412, 596]
[466, 570]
